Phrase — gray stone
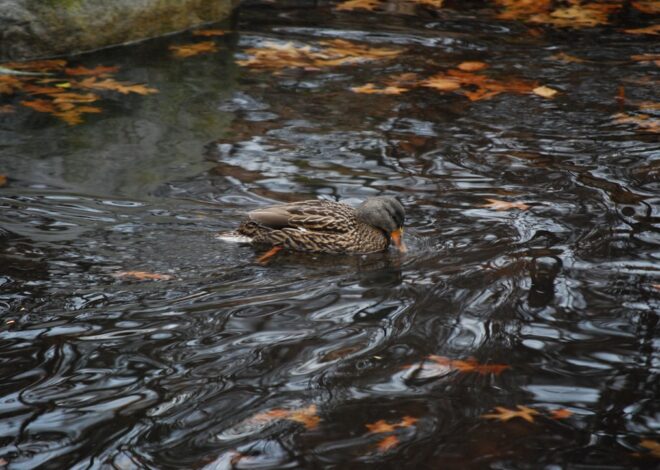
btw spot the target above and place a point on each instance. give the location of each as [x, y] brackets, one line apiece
[41, 28]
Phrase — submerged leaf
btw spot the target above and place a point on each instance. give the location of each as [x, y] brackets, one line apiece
[645, 121]
[3, 180]
[388, 443]
[504, 205]
[37, 65]
[189, 50]
[382, 426]
[96, 71]
[505, 414]
[142, 275]
[113, 85]
[650, 7]
[209, 32]
[9, 84]
[7, 109]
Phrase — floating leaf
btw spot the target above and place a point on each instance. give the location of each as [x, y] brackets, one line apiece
[650, 7]
[113, 85]
[522, 9]
[505, 414]
[388, 443]
[9, 84]
[209, 32]
[472, 66]
[440, 365]
[652, 446]
[358, 5]
[645, 121]
[382, 426]
[577, 15]
[475, 86]
[143, 275]
[196, 48]
[42, 106]
[41, 90]
[305, 416]
[544, 91]
[96, 71]
[655, 58]
[75, 98]
[37, 65]
[653, 29]
[504, 205]
[370, 88]
[561, 413]
[329, 53]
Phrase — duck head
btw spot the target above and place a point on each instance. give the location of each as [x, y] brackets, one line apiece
[387, 214]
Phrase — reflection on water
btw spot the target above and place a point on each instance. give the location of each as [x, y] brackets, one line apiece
[228, 363]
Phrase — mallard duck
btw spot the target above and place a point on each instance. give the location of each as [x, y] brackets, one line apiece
[321, 226]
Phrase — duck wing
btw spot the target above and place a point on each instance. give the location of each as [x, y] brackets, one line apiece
[315, 215]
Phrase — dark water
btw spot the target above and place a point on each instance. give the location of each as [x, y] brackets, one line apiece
[103, 371]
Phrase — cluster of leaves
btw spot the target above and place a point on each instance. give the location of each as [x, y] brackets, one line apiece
[391, 440]
[464, 80]
[182, 51]
[330, 53]
[50, 86]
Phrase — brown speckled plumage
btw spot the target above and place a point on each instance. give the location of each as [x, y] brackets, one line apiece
[325, 226]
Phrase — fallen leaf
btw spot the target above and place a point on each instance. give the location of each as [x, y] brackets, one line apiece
[442, 82]
[306, 416]
[561, 413]
[42, 106]
[544, 91]
[578, 15]
[382, 426]
[650, 7]
[566, 58]
[358, 5]
[475, 86]
[644, 121]
[656, 286]
[331, 53]
[37, 65]
[430, 3]
[505, 414]
[142, 275]
[522, 9]
[443, 365]
[7, 109]
[75, 98]
[655, 58]
[652, 446]
[3, 180]
[653, 29]
[189, 50]
[209, 32]
[504, 205]
[9, 84]
[472, 66]
[41, 90]
[113, 85]
[388, 443]
[73, 115]
[96, 71]
[370, 88]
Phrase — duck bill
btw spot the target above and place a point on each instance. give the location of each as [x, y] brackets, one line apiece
[397, 238]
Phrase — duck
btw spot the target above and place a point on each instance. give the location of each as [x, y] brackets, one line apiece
[323, 226]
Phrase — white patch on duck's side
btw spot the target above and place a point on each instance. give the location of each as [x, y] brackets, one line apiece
[233, 237]
[302, 229]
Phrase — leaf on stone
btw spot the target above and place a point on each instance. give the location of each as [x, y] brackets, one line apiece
[505, 414]
[330, 53]
[142, 276]
[96, 71]
[561, 413]
[370, 88]
[196, 48]
[471, 66]
[544, 91]
[308, 416]
[113, 85]
[653, 29]
[498, 205]
[652, 446]
[358, 5]
[650, 7]
[209, 32]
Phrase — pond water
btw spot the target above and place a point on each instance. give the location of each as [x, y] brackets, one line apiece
[548, 307]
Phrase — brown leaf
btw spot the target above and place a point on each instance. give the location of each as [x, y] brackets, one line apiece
[3, 180]
[578, 15]
[650, 7]
[472, 66]
[566, 58]
[505, 414]
[75, 98]
[358, 5]
[544, 91]
[96, 71]
[442, 82]
[43, 106]
[441, 365]
[652, 446]
[653, 29]
[142, 275]
[7, 109]
[209, 32]
[370, 88]
[73, 115]
[655, 58]
[644, 121]
[9, 84]
[113, 85]
[41, 90]
[196, 48]
[522, 9]
[382, 426]
[306, 416]
[504, 205]
[37, 65]
[388, 443]
[561, 413]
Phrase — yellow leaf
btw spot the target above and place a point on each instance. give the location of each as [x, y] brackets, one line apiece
[505, 414]
[63, 85]
[189, 50]
[143, 275]
[504, 205]
[209, 32]
[472, 66]
[544, 91]
[359, 4]
[653, 29]
[370, 88]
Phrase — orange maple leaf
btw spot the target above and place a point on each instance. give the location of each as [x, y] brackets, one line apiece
[189, 50]
[504, 205]
[73, 115]
[388, 443]
[382, 426]
[142, 275]
[42, 106]
[96, 71]
[505, 414]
